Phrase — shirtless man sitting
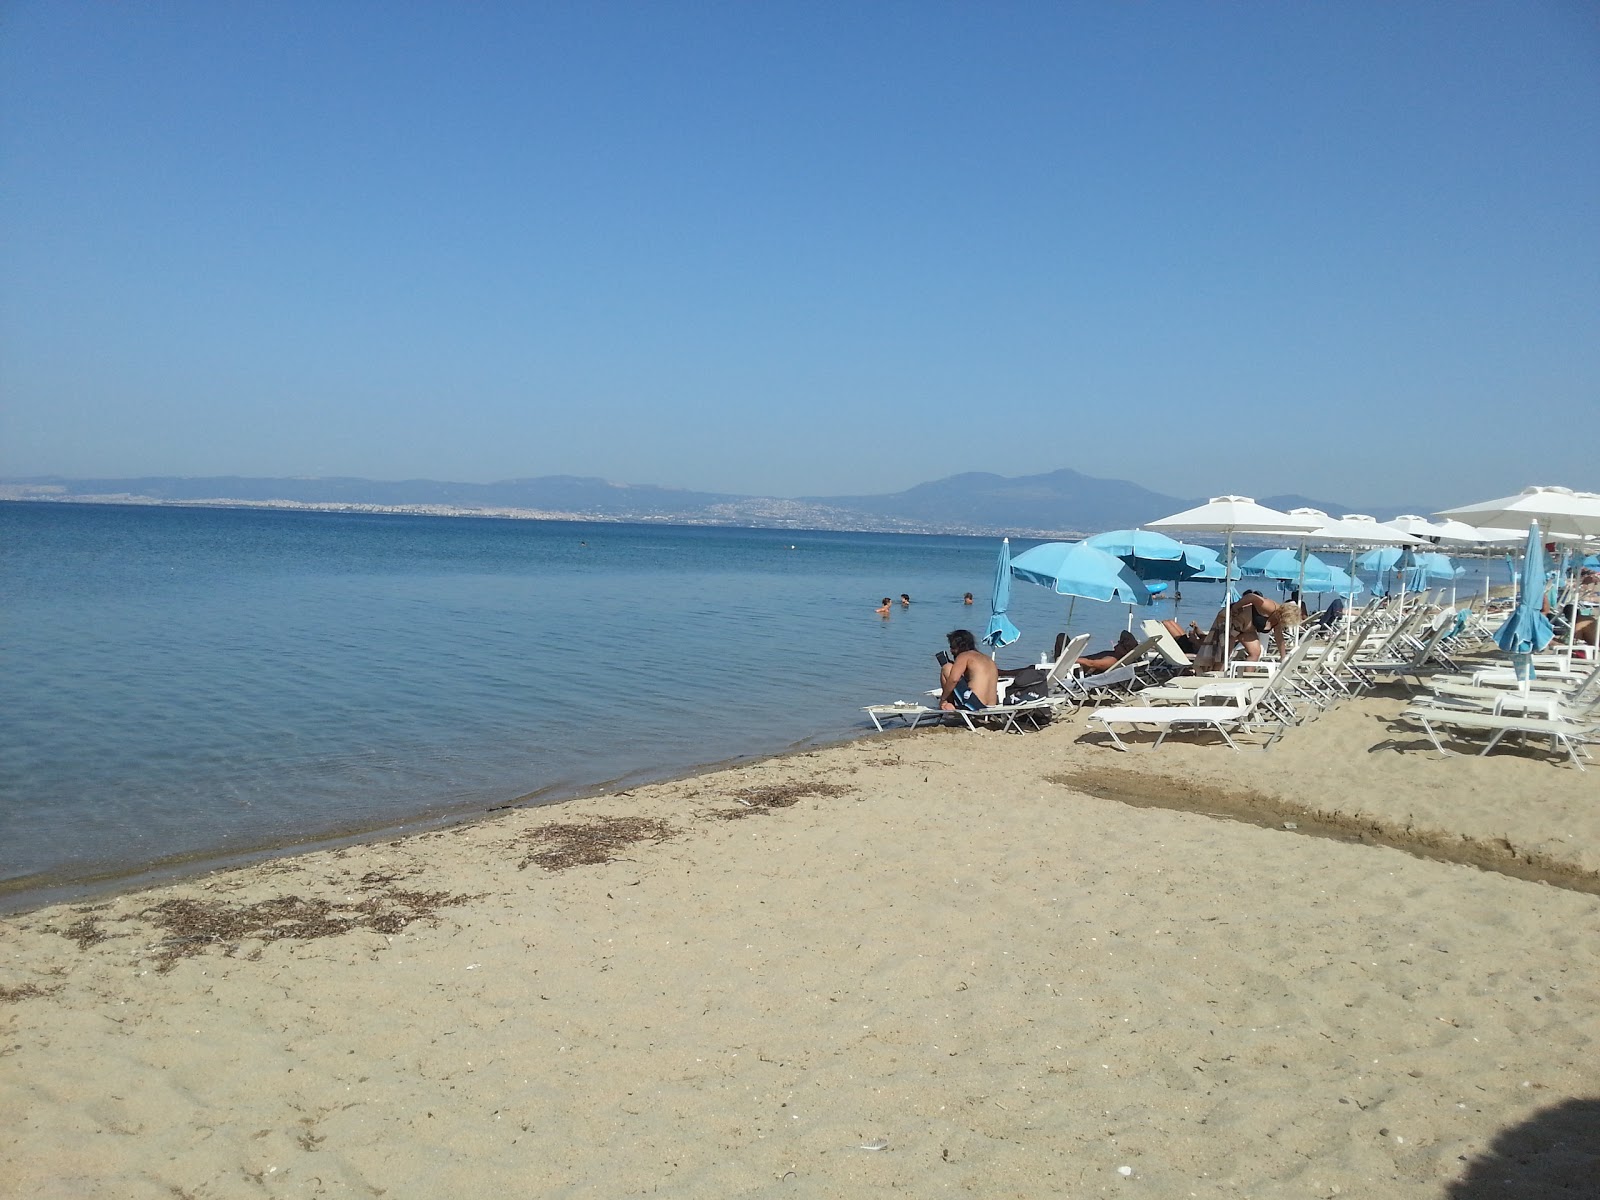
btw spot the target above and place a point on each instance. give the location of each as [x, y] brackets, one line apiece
[970, 679]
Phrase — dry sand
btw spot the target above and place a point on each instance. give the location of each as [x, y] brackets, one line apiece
[938, 962]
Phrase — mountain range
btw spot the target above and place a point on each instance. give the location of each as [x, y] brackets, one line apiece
[1053, 504]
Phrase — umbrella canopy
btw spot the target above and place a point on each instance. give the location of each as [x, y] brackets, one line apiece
[1527, 630]
[1078, 569]
[1383, 558]
[1209, 563]
[1558, 510]
[1369, 531]
[1230, 515]
[1459, 533]
[1001, 632]
[1309, 573]
[1418, 527]
[1234, 514]
[1433, 565]
[1152, 555]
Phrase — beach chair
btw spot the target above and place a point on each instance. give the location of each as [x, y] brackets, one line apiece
[1410, 666]
[1226, 719]
[1167, 648]
[907, 712]
[1571, 703]
[1116, 680]
[1563, 735]
[1215, 689]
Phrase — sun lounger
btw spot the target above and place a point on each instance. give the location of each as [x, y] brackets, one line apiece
[1566, 735]
[1226, 719]
[907, 713]
[1117, 679]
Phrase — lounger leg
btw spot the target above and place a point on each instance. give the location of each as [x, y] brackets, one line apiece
[1434, 737]
[1121, 745]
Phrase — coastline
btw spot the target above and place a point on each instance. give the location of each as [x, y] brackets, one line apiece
[932, 960]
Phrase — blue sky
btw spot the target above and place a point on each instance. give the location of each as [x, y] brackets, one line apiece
[805, 248]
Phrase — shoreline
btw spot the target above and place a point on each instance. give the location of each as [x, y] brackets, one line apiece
[26, 894]
[931, 959]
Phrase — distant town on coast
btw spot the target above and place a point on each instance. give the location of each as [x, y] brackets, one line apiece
[1058, 503]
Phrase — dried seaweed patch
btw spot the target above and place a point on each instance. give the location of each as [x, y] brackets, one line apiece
[26, 991]
[588, 843]
[86, 932]
[780, 795]
[194, 925]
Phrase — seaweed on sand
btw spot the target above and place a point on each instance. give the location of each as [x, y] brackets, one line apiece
[590, 842]
[193, 926]
[781, 795]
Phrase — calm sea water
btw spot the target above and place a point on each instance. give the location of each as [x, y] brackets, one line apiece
[193, 685]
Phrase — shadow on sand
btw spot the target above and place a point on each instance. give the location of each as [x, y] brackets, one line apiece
[1554, 1153]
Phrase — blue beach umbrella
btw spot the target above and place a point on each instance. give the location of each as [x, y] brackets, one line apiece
[1152, 555]
[1209, 562]
[1527, 630]
[1429, 567]
[1079, 569]
[1001, 632]
[1282, 563]
[1310, 574]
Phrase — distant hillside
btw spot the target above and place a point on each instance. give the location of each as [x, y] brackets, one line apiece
[1060, 502]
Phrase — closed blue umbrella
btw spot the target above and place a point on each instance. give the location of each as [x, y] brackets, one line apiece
[1527, 630]
[1001, 632]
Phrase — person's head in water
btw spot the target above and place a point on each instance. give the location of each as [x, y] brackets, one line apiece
[905, 600]
[967, 599]
[961, 640]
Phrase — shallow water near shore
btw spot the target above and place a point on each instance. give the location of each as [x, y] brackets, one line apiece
[186, 685]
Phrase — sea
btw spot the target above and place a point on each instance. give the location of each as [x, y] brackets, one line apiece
[183, 688]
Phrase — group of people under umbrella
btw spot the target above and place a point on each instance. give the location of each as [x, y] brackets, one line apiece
[1127, 565]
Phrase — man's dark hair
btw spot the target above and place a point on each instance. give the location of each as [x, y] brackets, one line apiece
[961, 640]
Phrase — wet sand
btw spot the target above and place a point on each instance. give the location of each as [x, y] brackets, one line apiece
[940, 962]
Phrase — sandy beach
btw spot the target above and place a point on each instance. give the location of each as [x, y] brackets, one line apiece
[938, 962]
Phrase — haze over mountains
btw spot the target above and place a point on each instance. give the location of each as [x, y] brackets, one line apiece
[1053, 504]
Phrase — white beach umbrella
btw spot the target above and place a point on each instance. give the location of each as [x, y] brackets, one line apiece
[1416, 526]
[1558, 510]
[1229, 515]
[1459, 533]
[1357, 531]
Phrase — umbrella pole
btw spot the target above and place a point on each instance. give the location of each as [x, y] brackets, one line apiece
[1226, 649]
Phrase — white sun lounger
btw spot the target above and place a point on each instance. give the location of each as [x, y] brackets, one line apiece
[1567, 735]
[1226, 719]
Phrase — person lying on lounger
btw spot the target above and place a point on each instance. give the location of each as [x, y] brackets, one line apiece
[1103, 660]
[970, 679]
[1188, 642]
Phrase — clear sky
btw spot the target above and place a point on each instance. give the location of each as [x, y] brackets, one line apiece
[782, 248]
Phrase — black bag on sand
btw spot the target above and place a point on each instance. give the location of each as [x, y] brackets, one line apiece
[1027, 683]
